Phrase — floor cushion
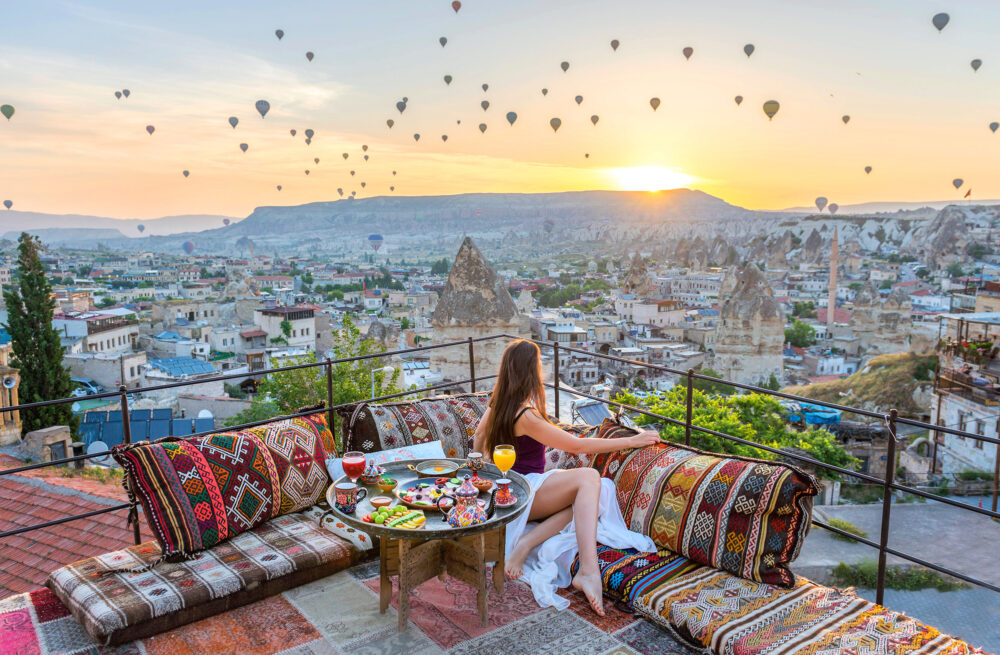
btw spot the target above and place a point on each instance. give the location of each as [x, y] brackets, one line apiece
[627, 573]
[729, 615]
[452, 420]
[115, 607]
[742, 515]
[556, 458]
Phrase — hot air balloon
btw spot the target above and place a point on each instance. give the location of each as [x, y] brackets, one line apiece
[833, 207]
[364, 148]
[482, 128]
[345, 155]
[354, 193]
[748, 49]
[310, 56]
[564, 66]
[485, 104]
[511, 117]
[309, 133]
[364, 184]
[8, 204]
[365, 157]
[308, 141]
[279, 187]
[957, 182]
[126, 92]
[771, 108]
[444, 137]
[993, 126]
[375, 241]
[233, 122]
[188, 247]
[316, 160]
[185, 173]
[594, 119]
[392, 188]
[555, 123]
[279, 34]
[293, 131]
[394, 172]
[976, 63]
[448, 79]
[687, 52]
[868, 170]
[390, 123]
[352, 173]
[443, 41]
[7, 111]
[579, 100]
[654, 103]
[340, 191]
[140, 227]
[739, 100]
[820, 203]
[940, 20]
[401, 106]
[244, 147]
[416, 137]
[545, 92]
[118, 95]
[150, 129]
[226, 221]
[846, 119]
[486, 87]
[586, 155]
[405, 99]
[263, 106]
[456, 5]
[614, 44]
[307, 171]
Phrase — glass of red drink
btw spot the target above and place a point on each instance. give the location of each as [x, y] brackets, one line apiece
[354, 464]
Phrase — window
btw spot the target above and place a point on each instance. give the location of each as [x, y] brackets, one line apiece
[980, 430]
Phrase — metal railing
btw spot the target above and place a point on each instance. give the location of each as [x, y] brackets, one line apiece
[887, 482]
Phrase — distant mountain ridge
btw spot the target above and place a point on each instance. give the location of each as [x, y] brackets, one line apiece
[19, 221]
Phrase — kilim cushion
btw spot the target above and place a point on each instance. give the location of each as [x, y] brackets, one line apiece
[297, 448]
[116, 607]
[560, 459]
[199, 492]
[627, 573]
[741, 515]
[452, 420]
[729, 615]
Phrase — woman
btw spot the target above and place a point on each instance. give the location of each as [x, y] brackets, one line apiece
[541, 553]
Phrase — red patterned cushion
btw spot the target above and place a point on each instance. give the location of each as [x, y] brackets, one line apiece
[560, 459]
[741, 515]
[627, 574]
[296, 445]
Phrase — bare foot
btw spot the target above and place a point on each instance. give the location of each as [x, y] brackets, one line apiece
[514, 562]
[590, 585]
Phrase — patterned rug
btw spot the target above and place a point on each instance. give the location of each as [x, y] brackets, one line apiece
[339, 615]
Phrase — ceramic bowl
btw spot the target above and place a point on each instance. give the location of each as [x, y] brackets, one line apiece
[386, 485]
[482, 484]
[380, 501]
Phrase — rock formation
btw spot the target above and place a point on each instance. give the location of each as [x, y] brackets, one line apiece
[751, 333]
[881, 326]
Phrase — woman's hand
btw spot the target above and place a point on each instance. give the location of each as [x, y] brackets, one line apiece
[643, 439]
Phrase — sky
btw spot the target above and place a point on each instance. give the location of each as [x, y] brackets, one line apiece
[919, 113]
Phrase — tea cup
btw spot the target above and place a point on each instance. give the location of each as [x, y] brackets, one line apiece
[347, 495]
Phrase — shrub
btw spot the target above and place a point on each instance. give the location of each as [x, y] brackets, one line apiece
[971, 475]
[846, 526]
[865, 574]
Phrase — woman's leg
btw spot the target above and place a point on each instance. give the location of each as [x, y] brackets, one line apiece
[547, 528]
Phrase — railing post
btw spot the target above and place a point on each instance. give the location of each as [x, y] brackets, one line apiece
[329, 398]
[472, 366]
[890, 472]
[555, 363]
[127, 439]
[690, 394]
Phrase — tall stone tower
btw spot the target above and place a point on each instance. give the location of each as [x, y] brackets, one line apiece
[751, 334]
[474, 303]
[832, 287]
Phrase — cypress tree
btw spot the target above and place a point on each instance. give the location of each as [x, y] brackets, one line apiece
[36, 349]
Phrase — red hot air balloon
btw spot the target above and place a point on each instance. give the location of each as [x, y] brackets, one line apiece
[375, 241]
[456, 5]
[188, 247]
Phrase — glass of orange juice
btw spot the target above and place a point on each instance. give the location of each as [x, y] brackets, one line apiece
[503, 457]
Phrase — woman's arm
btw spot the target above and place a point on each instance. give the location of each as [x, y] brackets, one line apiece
[532, 425]
[479, 438]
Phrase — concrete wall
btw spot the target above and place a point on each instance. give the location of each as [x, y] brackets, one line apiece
[107, 369]
[221, 408]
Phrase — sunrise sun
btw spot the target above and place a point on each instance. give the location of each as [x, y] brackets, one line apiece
[649, 178]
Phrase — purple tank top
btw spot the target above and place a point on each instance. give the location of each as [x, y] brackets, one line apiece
[530, 454]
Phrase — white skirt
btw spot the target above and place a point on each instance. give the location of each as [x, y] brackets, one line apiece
[547, 567]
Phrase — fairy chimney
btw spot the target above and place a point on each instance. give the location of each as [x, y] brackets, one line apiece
[751, 333]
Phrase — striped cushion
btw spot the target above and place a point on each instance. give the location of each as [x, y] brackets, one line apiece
[627, 573]
[741, 515]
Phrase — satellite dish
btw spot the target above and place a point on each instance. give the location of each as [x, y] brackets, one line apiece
[96, 447]
[75, 408]
[204, 413]
[9, 382]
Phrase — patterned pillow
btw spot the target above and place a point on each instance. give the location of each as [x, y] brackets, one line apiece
[452, 420]
[627, 574]
[560, 459]
[198, 492]
[745, 516]
[297, 447]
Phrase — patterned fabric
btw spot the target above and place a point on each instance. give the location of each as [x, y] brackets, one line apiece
[321, 514]
[734, 616]
[296, 446]
[199, 492]
[106, 602]
[36, 622]
[560, 459]
[741, 515]
[452, 420]
[627, 573]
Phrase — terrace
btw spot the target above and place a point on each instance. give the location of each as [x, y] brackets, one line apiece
[50, 525]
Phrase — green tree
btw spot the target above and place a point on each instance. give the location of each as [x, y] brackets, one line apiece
[286, 328]
[36, 349]
[800, 335]
[440, 267]
[954, 270]
[805, 309]
[754, 417]
[709, 387]
[773, 383]
[105, 301]
[204, 274]
[404, 323]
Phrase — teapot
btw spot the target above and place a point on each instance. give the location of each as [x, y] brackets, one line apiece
[466, 511]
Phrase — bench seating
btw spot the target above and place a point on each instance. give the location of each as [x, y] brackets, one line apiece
[117, 607]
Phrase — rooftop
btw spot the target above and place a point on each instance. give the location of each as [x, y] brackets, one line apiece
[181, 366]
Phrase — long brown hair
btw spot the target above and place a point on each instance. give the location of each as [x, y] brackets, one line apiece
[519, 379]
